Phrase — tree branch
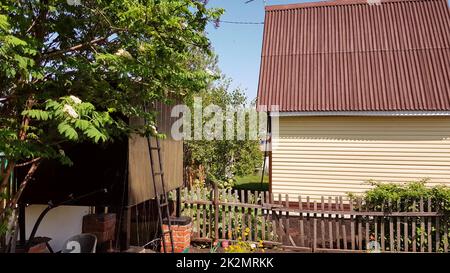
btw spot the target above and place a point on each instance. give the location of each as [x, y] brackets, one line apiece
[13, 202]
[28, 162]
[74, 48]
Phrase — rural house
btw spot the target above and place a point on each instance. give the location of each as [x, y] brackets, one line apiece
[363, 91]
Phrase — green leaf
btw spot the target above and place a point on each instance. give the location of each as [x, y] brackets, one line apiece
[36, 114]
[66, 130]
[95, 134]
[82, 124]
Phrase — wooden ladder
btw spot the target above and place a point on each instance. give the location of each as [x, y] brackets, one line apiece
[162, 199]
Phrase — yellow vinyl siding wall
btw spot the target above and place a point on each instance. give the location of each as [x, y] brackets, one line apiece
[331, 156]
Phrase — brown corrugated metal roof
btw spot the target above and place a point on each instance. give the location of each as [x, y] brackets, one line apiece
[353, 56]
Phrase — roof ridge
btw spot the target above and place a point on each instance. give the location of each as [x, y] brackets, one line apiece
[329, 3]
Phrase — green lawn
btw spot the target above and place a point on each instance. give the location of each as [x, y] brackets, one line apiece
[252, 182]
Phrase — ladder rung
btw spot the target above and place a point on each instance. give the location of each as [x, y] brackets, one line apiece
[164, 204]
[159, 173]
[155, 148]
[168, 231]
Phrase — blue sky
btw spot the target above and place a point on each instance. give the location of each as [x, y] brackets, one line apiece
[239, 46]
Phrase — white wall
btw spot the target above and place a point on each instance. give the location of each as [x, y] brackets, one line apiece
[59, 224]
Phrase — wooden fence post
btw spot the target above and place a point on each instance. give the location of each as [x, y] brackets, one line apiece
[216, 212]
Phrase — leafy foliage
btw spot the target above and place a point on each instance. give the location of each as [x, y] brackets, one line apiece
[402, 196]
[407, 197]
[74, 73]
[223, 159]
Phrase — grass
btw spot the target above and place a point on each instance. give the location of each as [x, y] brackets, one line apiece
[252, 182]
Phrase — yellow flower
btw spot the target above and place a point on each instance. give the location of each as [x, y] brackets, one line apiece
[247, 230]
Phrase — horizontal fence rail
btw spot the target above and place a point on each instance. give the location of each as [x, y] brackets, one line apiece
[339, 224]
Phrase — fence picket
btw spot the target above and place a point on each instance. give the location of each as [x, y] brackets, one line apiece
[330, 223]
[287, 220]
[422, 227]
[367, 225]
[398, 222]
[429, 229]
[352, 227]
[445, 237]
[358, 220]
[198, 213]
[413, 231]
[322, 222]
[438, 234]
[337, 224]
[382, 230]
[301, 222]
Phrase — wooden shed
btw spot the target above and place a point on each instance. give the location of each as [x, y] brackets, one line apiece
[363, 92]
[122, 168]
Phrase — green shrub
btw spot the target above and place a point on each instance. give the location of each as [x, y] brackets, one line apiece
[403, 195]
[406, 197]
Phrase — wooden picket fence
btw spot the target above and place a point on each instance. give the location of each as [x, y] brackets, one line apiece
[327, 224]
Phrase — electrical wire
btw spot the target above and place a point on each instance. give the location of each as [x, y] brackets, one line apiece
[240, 22]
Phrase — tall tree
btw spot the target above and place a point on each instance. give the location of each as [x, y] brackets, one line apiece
[220, 160]
[73, 71]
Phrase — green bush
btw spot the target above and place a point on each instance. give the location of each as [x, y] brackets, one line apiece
[403, 195]
[407, 197]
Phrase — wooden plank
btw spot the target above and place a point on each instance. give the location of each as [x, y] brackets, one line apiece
[344, 235]
[344, 228]
[445, 237]
[438, 234]
[274, 229]
[249, 218]
[274, 219]
[211, 216]
[330, 223]
[367, 232]
[358, 219]
[257, 217]
[422, 227]
[429, 229]
[391, 228]
[357, 213]
[326, 250]
[352, 228]
[375, 227]
[405, 229]
[337, 224]
[199, 235]
[282, 232]
[231, 216]
[216, 212]
[287, 220]
[413, 231]
[322, 221]
[301, 221]
[382, 229]
[263, 225]
[205, 215]
[314, 234]
[398, 221]
[243, 218]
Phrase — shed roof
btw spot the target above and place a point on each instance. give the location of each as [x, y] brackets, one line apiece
[350, 55]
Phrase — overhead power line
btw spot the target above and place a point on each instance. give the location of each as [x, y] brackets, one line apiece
[241, 23]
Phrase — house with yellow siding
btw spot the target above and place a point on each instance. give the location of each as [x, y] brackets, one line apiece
[362, 90]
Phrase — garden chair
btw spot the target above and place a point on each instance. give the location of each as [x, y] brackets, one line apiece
[81, 243]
